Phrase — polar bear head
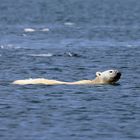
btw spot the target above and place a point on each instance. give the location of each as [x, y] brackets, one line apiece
[109, 76]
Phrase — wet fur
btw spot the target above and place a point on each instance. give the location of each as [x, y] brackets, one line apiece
[106, 77]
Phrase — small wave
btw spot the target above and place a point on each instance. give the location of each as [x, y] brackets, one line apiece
[36, 30]
[71, 54]
[131, 46]
[29, 30]
[66, 54]
[69, 23]
[45, 30]
[2, 47]
[41, 55]
[9, 46]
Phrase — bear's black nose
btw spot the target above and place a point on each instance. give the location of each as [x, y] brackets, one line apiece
[119, 74]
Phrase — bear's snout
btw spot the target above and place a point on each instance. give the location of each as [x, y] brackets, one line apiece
[118, 76]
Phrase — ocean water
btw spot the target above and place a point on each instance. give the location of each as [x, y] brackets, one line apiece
[69, 40]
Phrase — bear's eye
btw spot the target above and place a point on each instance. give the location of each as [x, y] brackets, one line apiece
[111, 71]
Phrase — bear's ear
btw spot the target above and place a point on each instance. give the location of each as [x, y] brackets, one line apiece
[98, 74]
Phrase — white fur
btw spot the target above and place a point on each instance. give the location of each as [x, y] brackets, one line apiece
[106, 77]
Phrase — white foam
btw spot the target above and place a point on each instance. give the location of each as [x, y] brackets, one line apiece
[41, 55]
[24, 35]
[45, 30]
[129, 46]
[38, 30]
[70, 54]
[2, 47]
[69, 23]
[9, 46]
[29, 30]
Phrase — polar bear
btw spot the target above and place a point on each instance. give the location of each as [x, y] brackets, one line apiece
[106, 77]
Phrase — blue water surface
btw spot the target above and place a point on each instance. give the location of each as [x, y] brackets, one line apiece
[69, 40]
